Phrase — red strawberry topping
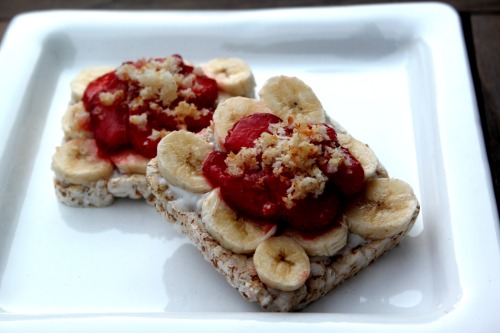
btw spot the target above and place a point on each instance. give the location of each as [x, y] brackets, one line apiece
[141, 101]
[294, 174]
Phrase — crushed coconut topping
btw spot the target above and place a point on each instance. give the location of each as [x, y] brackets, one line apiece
[160, 84]
[294, 153]
[139, 120]
[336, 156]
[155, 80]
[155, 134]
[108, 98]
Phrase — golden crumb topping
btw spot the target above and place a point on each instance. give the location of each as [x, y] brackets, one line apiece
[108, 98]
[156, 135]
[154, 78]
[161, 84]
[140, 121]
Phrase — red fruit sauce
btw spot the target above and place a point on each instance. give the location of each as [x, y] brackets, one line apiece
[259, 191]
[110, 118]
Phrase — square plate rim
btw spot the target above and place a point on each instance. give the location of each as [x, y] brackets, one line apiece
[264, 319]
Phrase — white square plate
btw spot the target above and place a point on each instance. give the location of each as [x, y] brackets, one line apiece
[395, 76]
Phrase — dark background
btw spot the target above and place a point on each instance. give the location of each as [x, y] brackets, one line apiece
[480, 22]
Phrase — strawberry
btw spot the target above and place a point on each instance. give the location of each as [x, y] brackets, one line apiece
[143, 141]
[205, 90]
[109, 113]
[259, 192]
[108, 122]
[312, 215]
[350, 175]
[248, 129]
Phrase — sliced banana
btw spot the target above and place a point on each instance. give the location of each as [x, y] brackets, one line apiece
[82, 80]
[229, 111]
[327, 243]
[222, 96]
[385, 208]
[75, 122]
[130, 162]
[236, 233]
[281, 263]
[77, 162]
[233, 75]
[362, 152]
[289, 96]
[180, 159]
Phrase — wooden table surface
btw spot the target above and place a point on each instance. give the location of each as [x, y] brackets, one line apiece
[480, 22]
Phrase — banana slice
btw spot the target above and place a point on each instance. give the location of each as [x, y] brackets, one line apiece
[222, 96]
[82, 80]
[77, 162]
[75, 122]
[130, 162]
[229, 111]
[180, 159]
[233, 75]
[282, 263]
[289, 96]
[236, 233]
[362, 152]
[385, 208]
[325, 244]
